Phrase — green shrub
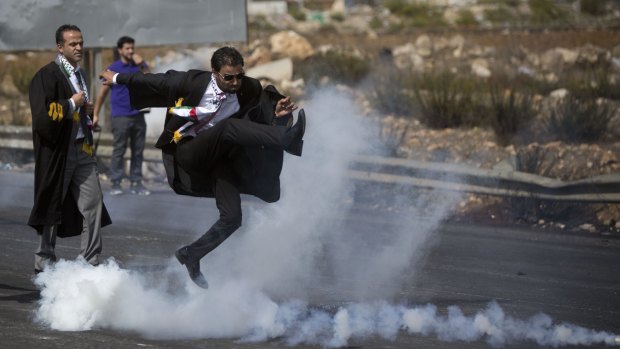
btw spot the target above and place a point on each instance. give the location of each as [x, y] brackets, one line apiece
[297, 13]
[509, 113]
[544, 11]
[399, 7]
[576, 120]
[337, 16]
[499, 15]
[447, 100]
[375, 23]
[338, 66]
[415, 14]
[466, 18]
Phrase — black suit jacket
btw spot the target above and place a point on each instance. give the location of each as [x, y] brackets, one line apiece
[258, 169]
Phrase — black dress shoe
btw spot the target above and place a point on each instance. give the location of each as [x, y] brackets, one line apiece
[193, 267]
[294, 142]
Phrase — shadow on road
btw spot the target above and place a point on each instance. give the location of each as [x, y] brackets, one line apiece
[28, 297]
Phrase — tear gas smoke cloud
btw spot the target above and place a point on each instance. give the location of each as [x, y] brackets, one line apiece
[77, 297]
[276, 255]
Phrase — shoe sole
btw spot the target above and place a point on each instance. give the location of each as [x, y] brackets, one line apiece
[302, 117]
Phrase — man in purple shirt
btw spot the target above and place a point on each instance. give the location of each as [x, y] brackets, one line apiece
[127, 124]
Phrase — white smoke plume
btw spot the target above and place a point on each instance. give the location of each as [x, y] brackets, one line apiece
[79, 297]
[265, 278]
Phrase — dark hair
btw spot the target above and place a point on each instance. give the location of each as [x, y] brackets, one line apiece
[124, 40]
[60, 39]
[225, 56]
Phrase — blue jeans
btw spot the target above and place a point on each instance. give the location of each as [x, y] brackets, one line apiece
[133, 129]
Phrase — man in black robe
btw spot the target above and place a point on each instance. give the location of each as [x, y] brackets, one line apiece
[67, 193]
[224, 135]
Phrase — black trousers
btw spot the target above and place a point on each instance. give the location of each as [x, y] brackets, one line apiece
[209, 153]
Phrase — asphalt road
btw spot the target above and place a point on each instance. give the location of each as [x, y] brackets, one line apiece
[573, 278]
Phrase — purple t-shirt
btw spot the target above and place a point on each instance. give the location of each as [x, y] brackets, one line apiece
[119, 100]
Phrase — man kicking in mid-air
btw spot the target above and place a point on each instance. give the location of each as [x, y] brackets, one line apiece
[224, 135]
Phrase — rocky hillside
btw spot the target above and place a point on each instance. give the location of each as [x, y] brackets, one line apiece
[544, 55]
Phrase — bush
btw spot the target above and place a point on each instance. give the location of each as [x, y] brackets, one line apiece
[447, 100]
[576, 120]
[500, 15]
[466, 18]
[337, 16]
[338, 66]
[415, 15]
[509, 112]
[399, 7]
[297, 13]
[544, 11]
[375, 23]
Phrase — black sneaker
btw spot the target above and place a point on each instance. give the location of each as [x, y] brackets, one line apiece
[138, 189]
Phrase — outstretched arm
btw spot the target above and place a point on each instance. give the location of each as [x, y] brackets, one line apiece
[147, 90]
[107, 77]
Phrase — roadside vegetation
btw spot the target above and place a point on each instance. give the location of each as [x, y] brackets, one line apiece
[539, 110]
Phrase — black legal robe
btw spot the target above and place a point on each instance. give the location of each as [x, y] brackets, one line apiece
[49, 94]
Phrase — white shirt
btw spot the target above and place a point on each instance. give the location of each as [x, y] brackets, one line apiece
[76, 86]
[214, 106]
[228, 107]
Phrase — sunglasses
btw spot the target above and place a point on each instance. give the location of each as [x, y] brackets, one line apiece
[229, 77]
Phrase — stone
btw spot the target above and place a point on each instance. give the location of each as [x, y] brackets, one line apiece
[290, 44]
